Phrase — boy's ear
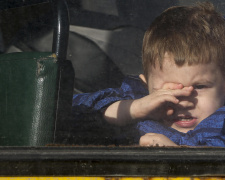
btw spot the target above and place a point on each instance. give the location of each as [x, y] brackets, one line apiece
[142, 77]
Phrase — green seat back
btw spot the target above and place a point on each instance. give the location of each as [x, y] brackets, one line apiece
[28, 87]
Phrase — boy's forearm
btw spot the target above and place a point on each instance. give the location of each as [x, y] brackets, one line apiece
[120, 113]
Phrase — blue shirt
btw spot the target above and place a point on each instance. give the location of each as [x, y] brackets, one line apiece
[210, 132]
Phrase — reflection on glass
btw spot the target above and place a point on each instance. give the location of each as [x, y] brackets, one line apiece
[118, 99]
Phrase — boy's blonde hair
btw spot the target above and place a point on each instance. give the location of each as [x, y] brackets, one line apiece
[192, 34]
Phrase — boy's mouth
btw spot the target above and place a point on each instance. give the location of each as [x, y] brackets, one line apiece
[186, 122]
[185, 118]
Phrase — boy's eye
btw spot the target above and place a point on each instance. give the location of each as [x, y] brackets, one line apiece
[199, 86]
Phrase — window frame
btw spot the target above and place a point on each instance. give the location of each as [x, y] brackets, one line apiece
[112, 161]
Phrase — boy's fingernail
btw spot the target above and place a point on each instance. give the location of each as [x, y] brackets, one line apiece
[189, 88]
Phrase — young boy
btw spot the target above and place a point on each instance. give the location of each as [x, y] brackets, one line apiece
[184, 72]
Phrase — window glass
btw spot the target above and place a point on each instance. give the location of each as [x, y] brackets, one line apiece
[104, 47]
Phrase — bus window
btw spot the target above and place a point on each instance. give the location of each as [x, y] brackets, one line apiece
[100, 55]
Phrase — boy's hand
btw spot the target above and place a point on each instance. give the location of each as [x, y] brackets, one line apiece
[154, 139]
[159, 104]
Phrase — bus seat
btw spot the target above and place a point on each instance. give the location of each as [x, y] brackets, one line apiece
[36, 90]
[27, 98]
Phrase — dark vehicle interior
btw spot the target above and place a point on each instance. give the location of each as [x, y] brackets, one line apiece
[104, 46]
[104, 40]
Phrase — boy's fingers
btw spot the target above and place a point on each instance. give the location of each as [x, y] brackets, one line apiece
[169, 111]
[172, 86]
[186, 91]
[189, 88]
[182, 92]
[146, 140]
[154, 139]
[167, 98]
[186, 104]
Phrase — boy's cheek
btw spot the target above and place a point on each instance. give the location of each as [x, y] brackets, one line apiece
[209, 104]
[151, 90]
[223, 93]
